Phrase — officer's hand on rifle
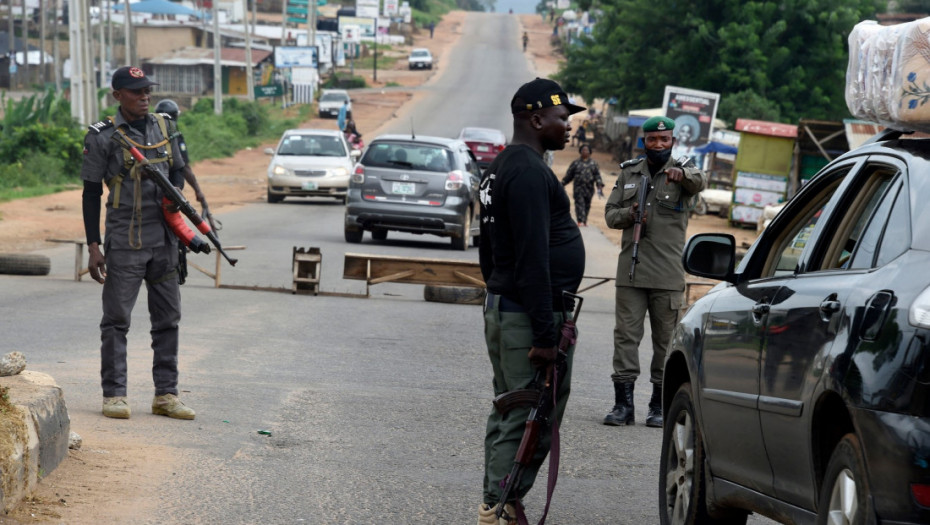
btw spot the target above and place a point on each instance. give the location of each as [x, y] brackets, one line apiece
[542, 357]
[635, 208]
[96, 264]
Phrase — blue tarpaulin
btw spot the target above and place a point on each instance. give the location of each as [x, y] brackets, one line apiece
[716, 147]
[158, 7]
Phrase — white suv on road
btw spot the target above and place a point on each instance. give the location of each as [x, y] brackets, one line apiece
[420, 58]
[331, 101]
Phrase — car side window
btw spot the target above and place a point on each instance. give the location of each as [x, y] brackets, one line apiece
[862, 208]
[791, 243]
[888, 233]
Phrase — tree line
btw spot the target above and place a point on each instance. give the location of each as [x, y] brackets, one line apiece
[778, 61]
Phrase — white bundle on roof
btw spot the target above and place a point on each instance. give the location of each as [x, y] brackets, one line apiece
[888, 78]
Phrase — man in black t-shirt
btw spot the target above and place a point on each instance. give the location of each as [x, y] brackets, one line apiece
[531, 250]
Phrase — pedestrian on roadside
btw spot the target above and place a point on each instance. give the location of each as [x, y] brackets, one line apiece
[343, 114]
[526, 40]
[432, 27]
[139, 245]
[581, 135]
[585, 176]
[659, 280]
[531, 251]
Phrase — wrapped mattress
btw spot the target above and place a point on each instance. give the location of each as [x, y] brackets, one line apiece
[888, 78]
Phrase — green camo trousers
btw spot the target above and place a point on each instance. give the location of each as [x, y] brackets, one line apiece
[509, 337]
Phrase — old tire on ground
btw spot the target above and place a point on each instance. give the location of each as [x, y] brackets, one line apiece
[24, 264]
[454, 294]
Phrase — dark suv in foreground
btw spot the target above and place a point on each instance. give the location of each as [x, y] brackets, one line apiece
[414, 184]
[799, 388]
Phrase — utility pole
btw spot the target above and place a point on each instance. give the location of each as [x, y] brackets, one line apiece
[12, 41]
[56, 55]
[42, 41]
[249, 76]
[25, 37]
[217, 71]
[127, 34]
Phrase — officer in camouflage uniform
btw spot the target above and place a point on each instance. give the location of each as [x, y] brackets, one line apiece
[659, 280]
[587, 177]
[139, 245]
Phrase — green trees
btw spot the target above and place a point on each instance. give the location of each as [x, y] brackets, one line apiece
[788, 58]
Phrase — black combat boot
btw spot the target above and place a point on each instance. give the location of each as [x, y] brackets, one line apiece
[654, 416]
[622, 413]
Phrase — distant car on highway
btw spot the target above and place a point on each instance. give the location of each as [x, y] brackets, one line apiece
[415, 185]
[799, 386]
[420, 58]
[310, 163]
[485, 143]
[331, 101]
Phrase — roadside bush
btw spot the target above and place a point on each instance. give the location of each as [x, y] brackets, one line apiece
[52, 141]
[344, 82]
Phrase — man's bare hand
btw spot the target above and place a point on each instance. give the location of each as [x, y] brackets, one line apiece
[96, 264]
[675, 174]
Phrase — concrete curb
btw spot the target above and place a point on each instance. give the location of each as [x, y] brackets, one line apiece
[45, 443]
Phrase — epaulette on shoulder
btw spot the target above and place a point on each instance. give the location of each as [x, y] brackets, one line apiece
[631, 162]
[100, 126]
[167, 116]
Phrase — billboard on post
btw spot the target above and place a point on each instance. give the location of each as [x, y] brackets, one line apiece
[294, 56]
[693, 112]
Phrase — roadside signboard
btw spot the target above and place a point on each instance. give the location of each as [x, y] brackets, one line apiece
[366, 26]
[693, 112]
[273, 90]
[294, 56]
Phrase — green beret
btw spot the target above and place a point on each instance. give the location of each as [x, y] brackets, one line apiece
[659, 124]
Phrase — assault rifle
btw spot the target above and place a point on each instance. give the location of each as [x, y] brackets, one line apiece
[171, 192]
[541, 396]
[638, 221]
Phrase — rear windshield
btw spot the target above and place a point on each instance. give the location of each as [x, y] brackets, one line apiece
[333, 97]
[420, 157]
[312, 145]
[484, 135]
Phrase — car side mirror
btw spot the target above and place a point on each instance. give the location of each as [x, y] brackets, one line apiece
[710, 255]
[269, 151]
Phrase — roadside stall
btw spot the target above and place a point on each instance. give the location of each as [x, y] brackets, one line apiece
[761, 170]
[819, 142]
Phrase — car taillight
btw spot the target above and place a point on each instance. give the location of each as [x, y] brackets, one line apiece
[500, 147]
[454, 180]
[921, 494]
[919, 312]
[358, 176]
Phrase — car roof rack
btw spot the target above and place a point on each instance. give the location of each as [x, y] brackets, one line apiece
[886, 134]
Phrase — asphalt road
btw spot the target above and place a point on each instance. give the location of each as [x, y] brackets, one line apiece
[375, 407]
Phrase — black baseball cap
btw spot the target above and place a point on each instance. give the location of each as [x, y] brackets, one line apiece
[128, 77]
[541, 93]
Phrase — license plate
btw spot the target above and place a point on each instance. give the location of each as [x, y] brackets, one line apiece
[403, 188]
[308, 185]
[484, 148]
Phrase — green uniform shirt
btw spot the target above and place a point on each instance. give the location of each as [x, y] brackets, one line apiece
[668, 209]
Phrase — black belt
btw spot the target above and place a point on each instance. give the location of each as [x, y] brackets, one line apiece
[504, 305]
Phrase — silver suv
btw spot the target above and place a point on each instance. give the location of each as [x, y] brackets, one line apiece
[331, 101]
[415, 185]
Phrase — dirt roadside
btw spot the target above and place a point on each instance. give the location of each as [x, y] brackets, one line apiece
[81, 489]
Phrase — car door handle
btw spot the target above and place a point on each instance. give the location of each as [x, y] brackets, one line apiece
[759, 310]
[830, 307]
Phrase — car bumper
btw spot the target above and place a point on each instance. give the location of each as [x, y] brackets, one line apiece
[309, 186]
[420, 65]
[446, 221]
[897, 454]
[332, 112]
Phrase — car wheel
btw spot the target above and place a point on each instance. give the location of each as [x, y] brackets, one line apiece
[844, 497]
[682, 483]
[24, 264]
[454, 294]
[354, 236]
[379, 235]
[461, 242]
[274, 198]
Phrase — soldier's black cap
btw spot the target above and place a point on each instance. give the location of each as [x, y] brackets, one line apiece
[128, 77]
[541, 93]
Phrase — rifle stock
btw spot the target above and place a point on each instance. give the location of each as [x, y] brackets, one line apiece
[171, 192]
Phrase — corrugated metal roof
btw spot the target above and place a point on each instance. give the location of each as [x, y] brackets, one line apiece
[189, 56]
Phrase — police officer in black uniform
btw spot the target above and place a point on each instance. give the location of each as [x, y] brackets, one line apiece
[139, 245]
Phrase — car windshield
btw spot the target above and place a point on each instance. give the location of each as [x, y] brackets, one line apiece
[333, 97]
[422, 53]
[420, 157]
[312, 145]
[483, 135]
